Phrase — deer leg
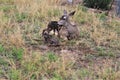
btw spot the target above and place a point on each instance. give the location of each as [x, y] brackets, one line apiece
[49, 29]
[69, 37]
[54, 31]
[58, 33]
[58, 29]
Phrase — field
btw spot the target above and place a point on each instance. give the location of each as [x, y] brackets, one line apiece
[24, 56]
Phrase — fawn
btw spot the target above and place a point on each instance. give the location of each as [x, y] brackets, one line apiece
[49, 39]
[53, 25]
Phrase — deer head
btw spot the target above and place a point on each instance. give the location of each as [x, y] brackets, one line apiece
[64, 20]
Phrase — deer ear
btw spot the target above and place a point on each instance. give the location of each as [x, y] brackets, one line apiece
[65, 12]
[72, 13]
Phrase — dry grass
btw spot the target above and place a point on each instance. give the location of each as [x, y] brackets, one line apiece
[95, 56]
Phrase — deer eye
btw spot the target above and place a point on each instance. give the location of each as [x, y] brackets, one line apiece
[64, 17]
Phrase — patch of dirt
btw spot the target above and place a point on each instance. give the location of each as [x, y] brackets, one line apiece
[77, 51]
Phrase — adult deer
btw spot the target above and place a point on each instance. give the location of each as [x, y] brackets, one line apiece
[72, 30]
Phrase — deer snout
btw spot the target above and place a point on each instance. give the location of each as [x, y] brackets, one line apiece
[61, 22]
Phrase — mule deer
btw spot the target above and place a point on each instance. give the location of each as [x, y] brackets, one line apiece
[72, 30]
[53, 25]
[49, 39]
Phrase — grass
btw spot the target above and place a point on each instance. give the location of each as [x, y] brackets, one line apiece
[95, 56]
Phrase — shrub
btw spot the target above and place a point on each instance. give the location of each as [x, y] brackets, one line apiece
[99, 4]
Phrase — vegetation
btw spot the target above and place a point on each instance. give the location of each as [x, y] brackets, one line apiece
[95, 56]
[99, 4]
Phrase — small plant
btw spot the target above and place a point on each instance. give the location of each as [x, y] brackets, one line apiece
[14, 75]
[83, 73]
[101, 51]
[84, 9]
[57, 77]
[104, 52]
[3, 62]
[33, 77]
[99, 4]
[52, 57]
[17, 53]
[89, 57]
[103, 17]
[56, 12]
[6, 1]
[21, 17]
[49, 12]
[1, 48]
[71, 43]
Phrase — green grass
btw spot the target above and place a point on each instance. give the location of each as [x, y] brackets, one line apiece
[1, 48]
[17, 54]
[14, 75]
[20, 17]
